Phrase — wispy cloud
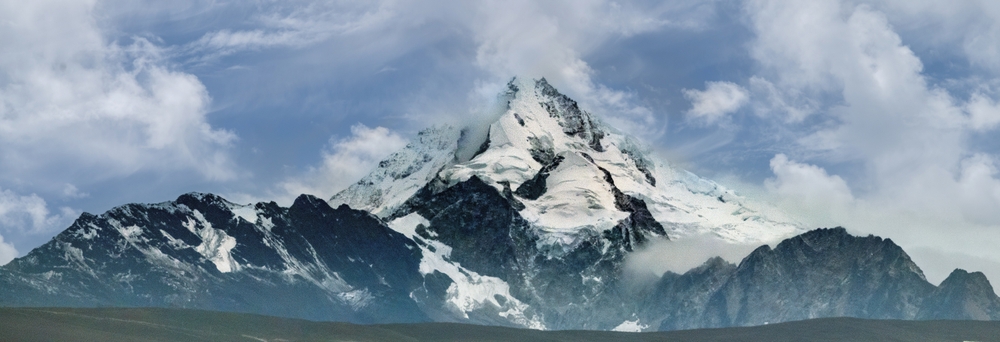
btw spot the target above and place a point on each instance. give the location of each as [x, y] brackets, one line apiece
[293, 25]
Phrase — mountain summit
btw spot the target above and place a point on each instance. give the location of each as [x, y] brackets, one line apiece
[529, 224]
[572, 174]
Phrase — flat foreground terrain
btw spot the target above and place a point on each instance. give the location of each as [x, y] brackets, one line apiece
[141, 324]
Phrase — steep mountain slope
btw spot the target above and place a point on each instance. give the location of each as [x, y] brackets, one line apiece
[200, 251]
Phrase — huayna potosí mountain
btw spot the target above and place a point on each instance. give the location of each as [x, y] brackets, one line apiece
[527, 223]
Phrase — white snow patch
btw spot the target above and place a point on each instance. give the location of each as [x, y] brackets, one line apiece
[696, 206]
[357, 299]
[173, 242]
[313, 271]
[577, 197]
[88, 234]
[630, 326]
[216, 245]
[266, 223]
[130, 232]
[73, 254]
[247, 212]
[407, 225]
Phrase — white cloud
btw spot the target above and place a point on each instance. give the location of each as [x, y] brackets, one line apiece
[7, 252]
[717, 100]
[969, 28]
[70, 191]
[29, 214]
[679, 256]
[77, 108]
[769, 100]
[345, 161]
[984, 112]
[978, 192]
[808, 190]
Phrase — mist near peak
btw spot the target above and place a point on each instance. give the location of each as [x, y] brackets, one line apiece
[681, 255]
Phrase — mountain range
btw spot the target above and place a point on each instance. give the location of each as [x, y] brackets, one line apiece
[528, 221]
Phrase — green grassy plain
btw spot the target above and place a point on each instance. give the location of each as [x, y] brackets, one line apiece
[148, 324]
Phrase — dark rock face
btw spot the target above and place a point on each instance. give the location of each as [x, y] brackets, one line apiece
[822, 273]
[574, 121]
[680, 301]
[309, 261]
[632, 231]
[642, 164]
[535, 187]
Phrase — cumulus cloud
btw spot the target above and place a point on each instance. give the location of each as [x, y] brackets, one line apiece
[75, 107]
[984, 112]
[345, 161]
[27, 215]
[717, 100]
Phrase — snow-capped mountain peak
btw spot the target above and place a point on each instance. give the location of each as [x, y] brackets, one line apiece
[565, 167]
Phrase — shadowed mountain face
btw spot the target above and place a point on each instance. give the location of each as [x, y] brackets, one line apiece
[822, 273]
[530, 228]
[962, 295]
[308, 261]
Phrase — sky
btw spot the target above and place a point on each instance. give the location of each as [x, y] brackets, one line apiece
[879, 116]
